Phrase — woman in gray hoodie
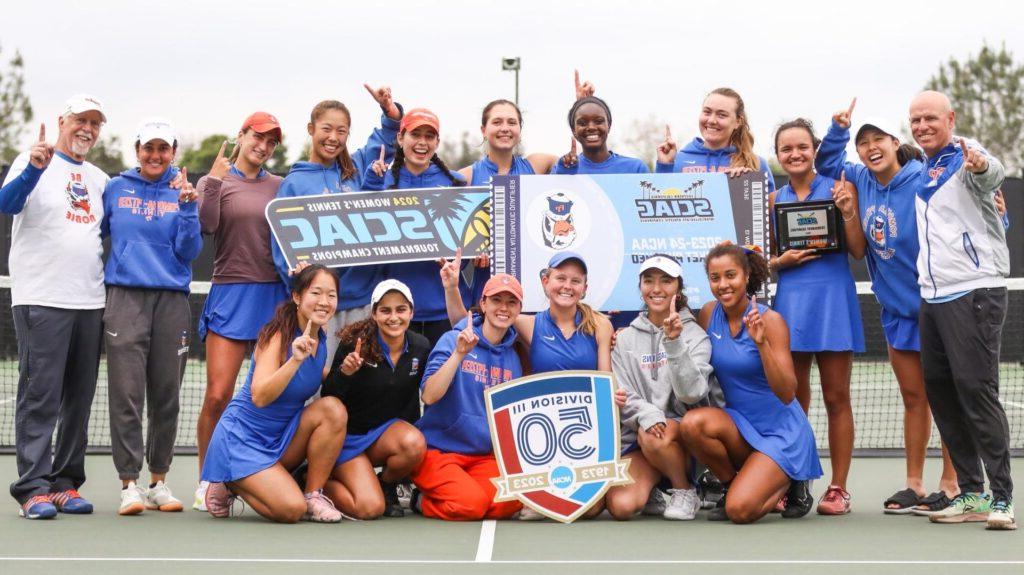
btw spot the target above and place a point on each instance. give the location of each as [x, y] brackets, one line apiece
[662, 361]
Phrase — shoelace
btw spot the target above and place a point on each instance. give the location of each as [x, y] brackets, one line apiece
[319, 494]
[38, 499]
[1001, 505]
[64, 496]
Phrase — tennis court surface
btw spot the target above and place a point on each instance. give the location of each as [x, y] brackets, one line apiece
[866, 541]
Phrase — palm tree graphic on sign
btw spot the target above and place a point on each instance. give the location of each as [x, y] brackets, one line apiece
[444, 208]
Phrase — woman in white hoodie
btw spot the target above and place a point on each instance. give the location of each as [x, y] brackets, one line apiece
[662, 361]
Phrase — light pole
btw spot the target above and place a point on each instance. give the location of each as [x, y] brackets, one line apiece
[512, 64]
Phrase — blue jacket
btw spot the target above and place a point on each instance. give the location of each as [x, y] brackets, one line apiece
[615, 164]
[694, 157]
[424, 278]
[484, 169]
[311, 179]
[889, 221]
[457, 423]
[153, 238]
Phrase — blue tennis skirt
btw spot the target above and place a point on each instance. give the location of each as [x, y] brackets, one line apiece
[901, 332]
[356, 444]
[239, 311]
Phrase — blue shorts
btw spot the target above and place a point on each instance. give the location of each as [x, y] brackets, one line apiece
[239, 311]
[901, 332]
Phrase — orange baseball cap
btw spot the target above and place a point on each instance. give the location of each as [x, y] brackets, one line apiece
[419, 117]
[503, 283]
[262, 122]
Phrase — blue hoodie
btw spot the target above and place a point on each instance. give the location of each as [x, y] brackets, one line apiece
[888, 219]
[694, 157]
[424, 278]
[457, 423]
[615, 164]
[311, 179]
[484, 169]
[153, 238]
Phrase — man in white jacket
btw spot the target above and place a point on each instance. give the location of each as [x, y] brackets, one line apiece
[962, 269]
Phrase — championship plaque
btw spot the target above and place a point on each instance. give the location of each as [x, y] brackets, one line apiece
[815, 225]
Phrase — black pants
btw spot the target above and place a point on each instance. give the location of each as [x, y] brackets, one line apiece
[960, 352]
[58, 360]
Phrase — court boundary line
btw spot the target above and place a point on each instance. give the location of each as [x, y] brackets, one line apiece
[485, 545]
[266, 560]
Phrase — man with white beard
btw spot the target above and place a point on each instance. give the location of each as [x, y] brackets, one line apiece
[57, 298]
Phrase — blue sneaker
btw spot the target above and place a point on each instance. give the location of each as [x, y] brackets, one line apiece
[69, 501]
[39, 507]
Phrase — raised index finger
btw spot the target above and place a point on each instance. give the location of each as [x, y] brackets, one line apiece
[842, 178]
[223, 146]
[309, 326]
[371, 91]
[359, 345]
[853, 104]
[577, 74]
[42, 132]
[382, 150]
[963, 146]
[668, 132]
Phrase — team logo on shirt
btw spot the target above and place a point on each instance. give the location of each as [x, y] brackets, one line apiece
[556, 440]
[880, 227]
[673, 204]
[559, 230]
[415, 366]
[77, 195]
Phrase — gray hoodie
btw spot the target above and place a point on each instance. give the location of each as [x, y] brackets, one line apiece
[661, 377]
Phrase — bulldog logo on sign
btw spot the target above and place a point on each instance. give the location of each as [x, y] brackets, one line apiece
[556, 439]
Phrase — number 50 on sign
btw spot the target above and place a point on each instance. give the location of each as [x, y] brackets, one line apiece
[556, 439]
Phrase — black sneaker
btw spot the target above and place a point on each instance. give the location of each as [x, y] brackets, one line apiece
[718, 512]
[415, 502]
[392, 507]
[709, 488]
[798, 500]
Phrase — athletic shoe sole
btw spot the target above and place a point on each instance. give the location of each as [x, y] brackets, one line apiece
[21, 513]
[964, 518]
[133, 509]
[904, 511]
[169, 507]
[1001, 526]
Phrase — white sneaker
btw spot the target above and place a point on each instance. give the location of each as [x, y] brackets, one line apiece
[199, 503]
[683, 505]
[656, 503]
[131, 500]
[528, 514]
[159, 497]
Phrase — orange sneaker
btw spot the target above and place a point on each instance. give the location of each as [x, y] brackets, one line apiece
[835, 501]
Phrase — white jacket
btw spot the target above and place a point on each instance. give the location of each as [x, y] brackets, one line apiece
[963, 242]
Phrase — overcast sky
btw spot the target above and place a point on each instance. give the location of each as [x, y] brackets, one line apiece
[206, 65]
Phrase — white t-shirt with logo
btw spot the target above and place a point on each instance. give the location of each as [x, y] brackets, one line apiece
[56, 255]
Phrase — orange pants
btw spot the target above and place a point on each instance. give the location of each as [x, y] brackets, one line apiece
[458, 487]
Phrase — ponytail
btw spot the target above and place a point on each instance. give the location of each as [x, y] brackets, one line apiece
[588, 319]
[396, 166]
[906, 153]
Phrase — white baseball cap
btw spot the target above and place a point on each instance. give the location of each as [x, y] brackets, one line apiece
[156, 129]
[80, 103]
[389, 286]
[880, 124]
[664, 263]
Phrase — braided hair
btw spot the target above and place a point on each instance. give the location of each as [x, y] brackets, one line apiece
[399, 161]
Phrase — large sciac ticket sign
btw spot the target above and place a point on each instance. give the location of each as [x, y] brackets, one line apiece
[381, 227]
[617, 221]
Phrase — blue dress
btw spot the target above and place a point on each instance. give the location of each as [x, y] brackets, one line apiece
[249, 439]
[551, 351]
[818, 299]
[484, 169]
[780, 431]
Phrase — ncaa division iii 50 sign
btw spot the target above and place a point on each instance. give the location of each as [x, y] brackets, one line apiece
[556, 440]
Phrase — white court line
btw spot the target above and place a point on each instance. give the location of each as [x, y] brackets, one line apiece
[1014, 404]
[508, 562]
[485, 546]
